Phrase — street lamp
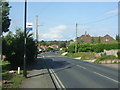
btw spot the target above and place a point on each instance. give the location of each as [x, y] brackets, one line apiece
[24, 66]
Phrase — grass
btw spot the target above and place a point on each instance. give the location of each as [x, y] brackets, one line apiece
[60, 52]
[14, 79]
[83, 55]
[105, 57]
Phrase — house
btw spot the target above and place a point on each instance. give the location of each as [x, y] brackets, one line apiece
[107, 38]
[53, 46]
[43, 47]
[87, 38]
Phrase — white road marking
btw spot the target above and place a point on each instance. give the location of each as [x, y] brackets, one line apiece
[106, 77]
[59, 82]
[81, 66]
[54, 79]
[62, 86]
[100, 74]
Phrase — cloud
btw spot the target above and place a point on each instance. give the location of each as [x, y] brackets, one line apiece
[114, 11]
[54, 33]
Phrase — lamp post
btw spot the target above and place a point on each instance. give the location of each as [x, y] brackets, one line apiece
[24, 66]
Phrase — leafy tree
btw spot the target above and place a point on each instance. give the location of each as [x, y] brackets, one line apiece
[62, 44]
[99, 40]
[81, 41]
[92, 40]
[118, 37]
[13, 48]
[5, 15]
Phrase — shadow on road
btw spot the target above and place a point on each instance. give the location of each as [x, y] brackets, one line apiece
[48, 63]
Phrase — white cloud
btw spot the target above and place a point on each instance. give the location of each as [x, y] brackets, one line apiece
[54, 33]
[115, 11]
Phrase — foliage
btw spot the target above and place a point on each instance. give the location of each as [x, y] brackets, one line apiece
[5, 18]
[99, 40]
[105, 57]
[118, 55]
[92, 40]
[49, 49]
[13, 48]
[93, 47]
[83, 55]
[71, 48]
[118, 37]
[62, 44]
[14, 79]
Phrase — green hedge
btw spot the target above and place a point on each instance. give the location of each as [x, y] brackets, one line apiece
[93, 47]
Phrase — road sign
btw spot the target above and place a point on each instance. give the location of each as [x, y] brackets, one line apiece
[29, 26]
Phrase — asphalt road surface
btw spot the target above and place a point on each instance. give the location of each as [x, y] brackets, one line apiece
[74, 73]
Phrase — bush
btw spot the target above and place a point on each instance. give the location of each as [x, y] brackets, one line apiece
[93, 47]
[13, 48]
[105, 57]
[118, 55]
[71, 48]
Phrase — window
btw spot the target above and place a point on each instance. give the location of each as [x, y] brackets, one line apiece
[106, 40]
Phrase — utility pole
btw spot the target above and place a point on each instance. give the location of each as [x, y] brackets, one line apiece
[37, 27]
[0, 33]
[76, 39]
[24, 66]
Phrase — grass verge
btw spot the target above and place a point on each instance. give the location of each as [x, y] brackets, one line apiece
[83, 55]
[13, 80]
[105, 58]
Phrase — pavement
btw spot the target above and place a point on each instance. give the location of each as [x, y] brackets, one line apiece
[38, 76]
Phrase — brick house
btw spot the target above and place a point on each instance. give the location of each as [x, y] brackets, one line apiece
[53, 46]
[87, 38]
[43, 47]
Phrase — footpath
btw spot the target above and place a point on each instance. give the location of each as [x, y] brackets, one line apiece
[38, 76]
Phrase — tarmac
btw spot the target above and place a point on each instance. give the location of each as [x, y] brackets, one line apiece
[38, 76]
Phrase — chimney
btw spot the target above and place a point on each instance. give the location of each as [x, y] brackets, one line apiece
[85, 33]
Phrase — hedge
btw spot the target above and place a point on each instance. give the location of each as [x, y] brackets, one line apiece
[93, 47]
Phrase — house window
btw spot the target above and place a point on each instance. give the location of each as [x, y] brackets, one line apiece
[106, 40]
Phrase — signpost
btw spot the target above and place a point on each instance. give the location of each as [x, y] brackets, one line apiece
[29, 26]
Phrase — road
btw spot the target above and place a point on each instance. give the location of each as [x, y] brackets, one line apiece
[72, 73]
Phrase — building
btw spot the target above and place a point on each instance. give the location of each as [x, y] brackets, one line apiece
[87, 38]
[43, 47]
[53, 46]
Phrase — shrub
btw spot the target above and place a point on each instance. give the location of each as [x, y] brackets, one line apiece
[118, 55]
[92, 47]
[105, 57]
[13, 48]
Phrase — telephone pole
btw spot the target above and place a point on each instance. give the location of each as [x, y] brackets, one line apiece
[25, 17]
[37, 27]
[76, 38]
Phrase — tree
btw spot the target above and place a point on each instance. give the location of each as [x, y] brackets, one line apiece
[118, 37]
[13, 48]
[99, 39]
[92, 40]
[5, 18]
[62, 44]
[81, 41]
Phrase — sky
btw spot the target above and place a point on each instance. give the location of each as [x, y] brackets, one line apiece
[57, 20]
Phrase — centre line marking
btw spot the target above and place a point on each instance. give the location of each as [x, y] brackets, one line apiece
[106, 77]
[81, 67]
